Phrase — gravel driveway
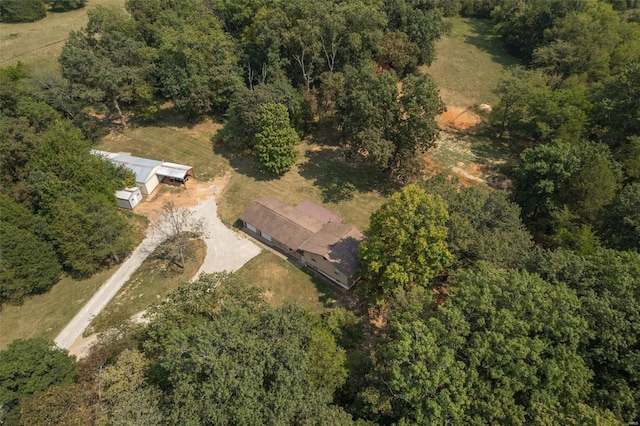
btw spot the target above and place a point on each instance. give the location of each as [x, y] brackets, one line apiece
[227, 250]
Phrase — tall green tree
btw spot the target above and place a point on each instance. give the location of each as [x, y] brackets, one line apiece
[387, 126]
[222, 354]
[22, 10]
[406, 244]
[421, 20]
[128, 397]
[27, 264]
[623, 219]
[276, 140]
[27, 366]
[109, 62]
[482, 225]
[521, 25]
[504, 348]
[239, 129]
[607, 284]
[584, 178]
[198, 66]
[540, 107]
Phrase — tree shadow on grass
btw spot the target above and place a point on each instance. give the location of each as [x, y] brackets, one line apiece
[337, 178]
[484, 39]
[242, 162]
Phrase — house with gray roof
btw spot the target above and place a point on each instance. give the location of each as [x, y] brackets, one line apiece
[308, 232]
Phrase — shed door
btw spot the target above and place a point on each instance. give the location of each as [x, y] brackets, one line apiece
[250, 227]
[266, 236]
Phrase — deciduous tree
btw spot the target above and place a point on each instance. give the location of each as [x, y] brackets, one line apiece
[109, 62]
[176, 226]
[406, 244]
[388, 126]
[28, 366]
[275, 139]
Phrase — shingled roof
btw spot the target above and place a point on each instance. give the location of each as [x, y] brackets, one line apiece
[281, 221]
[338, 243]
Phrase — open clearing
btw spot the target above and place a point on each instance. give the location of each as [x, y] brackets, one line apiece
[282, 281]
[39, 43]
[469, 65]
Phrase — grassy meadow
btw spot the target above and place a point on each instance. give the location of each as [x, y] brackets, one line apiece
[469, 63]
[282, 281]
[39, 43]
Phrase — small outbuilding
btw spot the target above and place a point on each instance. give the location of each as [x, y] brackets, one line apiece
[149, 173]
[128, 198]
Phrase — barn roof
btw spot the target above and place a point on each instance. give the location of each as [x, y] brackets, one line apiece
[174, 170]
[145, 168]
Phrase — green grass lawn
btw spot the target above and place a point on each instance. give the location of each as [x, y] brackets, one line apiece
[39, 43]
[153, 280]
[282, 281]
[171, 140]
[45, 315]
[321, 175]
[469, 63]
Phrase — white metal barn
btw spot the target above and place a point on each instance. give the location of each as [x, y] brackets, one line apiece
[149, 173]
[128, 198]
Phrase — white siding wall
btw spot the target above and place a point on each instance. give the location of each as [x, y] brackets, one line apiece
[147, 188]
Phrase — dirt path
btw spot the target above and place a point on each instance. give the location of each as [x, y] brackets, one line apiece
[227, 250]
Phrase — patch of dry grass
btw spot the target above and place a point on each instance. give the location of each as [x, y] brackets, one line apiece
[39, 43]
[282, 281]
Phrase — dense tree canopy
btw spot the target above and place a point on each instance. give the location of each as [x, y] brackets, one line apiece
[482, 224]
[388, 123]
[221, 355]
[607, 285]
[504, 348]
[406, 244]
[22, 10]
[56, 190]
[109, 62]
[27, 366]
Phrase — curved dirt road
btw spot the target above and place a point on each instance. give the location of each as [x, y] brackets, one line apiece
[226, 251]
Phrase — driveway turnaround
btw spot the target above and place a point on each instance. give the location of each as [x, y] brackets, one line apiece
[226, 251]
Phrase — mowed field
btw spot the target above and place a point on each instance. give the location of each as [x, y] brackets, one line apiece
[39, 43]
[469, 63]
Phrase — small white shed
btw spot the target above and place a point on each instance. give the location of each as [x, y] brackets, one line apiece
[128, 198]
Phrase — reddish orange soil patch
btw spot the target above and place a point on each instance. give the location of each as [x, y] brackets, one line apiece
[457, 118]
[431, 167]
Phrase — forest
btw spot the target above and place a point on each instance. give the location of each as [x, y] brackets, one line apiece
[475, 305]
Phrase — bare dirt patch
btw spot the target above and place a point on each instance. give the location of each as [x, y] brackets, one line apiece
[459, 119]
